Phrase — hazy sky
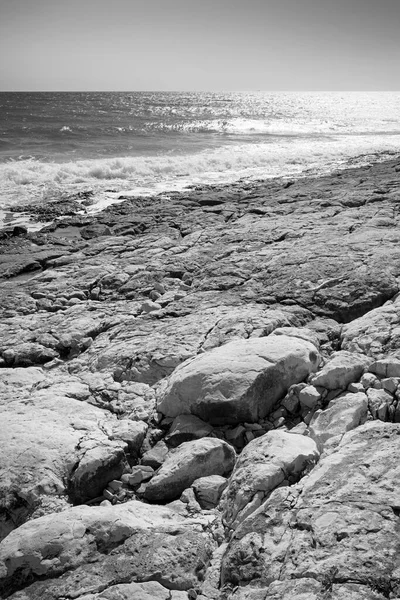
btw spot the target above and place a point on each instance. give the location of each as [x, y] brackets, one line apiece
[199, 45]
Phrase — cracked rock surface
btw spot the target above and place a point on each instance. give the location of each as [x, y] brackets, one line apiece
[199, 395]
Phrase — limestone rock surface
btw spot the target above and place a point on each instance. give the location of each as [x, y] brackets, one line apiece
[267, 462]
[342, 414]
[338, 525]
[84, 550]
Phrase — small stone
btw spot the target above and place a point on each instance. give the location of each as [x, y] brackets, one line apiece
[74, 301]
[159, 287]
[115, 485]
[390, 384]
[78, 294]
[249, 435]
[150, 306]
[208, 490]
[94, 293]
[291, 403]
[355, 387]
[378, 403]
[154, 295]
[279, 422]
[155, 456]
[300, 429]
[105, 503]
[109, 495]
[309, 396]
[277, 414]
[252, 426]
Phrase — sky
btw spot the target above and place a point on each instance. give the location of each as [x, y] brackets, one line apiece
[273, 45]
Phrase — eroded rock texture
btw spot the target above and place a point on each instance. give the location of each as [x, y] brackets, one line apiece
[199, 396]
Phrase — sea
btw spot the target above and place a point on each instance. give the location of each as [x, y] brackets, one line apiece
[141, 143]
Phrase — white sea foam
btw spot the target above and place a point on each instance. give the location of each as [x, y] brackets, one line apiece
[27, 180]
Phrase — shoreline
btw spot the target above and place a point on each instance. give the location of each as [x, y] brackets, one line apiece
[88, 202]
[149, 348]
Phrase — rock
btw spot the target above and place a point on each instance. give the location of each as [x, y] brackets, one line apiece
[130, 432]
[93, 548]
[379, 402]
[240, 381]
[309, 396]
[150, 306]
[137, 475]
[185, 428]
[150, 590]
[317, 261]
[376, 333]
[341, 369]
[354, 388]
[347, 411]
[54, 448]
[155, 456]
[185, 464]
[265, 464]
[208, 490]
[369, 380]
[390, 384]
[387, 367]
[344, 511]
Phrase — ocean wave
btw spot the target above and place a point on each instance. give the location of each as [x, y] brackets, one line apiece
[28, 179]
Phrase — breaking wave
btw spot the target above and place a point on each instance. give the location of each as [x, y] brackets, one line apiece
[27, 179]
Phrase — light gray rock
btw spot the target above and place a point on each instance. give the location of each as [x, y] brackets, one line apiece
[208, 490]
[93, 548]
[386, 367]
[150, 590]
[188, 462]
[240, 381]
[342, 414]
[130, 432]
[379, 402]
[340, 370]
[309, 396]
[344, 511]
[265, 464]
[55, 448]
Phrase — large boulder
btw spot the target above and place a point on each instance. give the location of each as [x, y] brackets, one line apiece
[267, 462]
[85, 550]
[240, 381]
[188, 462]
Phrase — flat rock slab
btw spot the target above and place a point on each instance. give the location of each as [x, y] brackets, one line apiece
[86, 549]
[188, 462]
[240, 381]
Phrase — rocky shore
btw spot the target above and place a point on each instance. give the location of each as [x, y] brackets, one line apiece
[199, 394]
